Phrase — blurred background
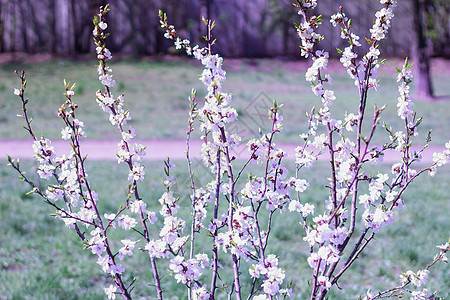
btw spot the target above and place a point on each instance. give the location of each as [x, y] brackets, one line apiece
[259, 28]
[52, 40]
[251, 29]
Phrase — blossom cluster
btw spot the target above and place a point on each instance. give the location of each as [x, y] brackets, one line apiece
[273, 275]
[307, 35]
[243, 237]
[383, 19]
[329, 232]
[417, 279]
[127, 152]
[405, 107]
[79, 200]
[171, 238]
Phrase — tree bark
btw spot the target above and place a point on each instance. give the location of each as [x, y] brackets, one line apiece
[2, 28]
[421, 50]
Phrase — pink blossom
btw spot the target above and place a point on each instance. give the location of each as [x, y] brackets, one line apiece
[110, 291]
[324, 281]
[127, 248]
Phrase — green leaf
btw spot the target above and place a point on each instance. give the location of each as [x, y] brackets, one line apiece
[31, 192]
[319, 19]
[419, 121]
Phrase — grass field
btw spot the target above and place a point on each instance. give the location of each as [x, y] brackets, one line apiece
[40, 259]
[156, 92]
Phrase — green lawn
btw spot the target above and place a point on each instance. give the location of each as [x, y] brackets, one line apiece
[41, 259]
[156, 92]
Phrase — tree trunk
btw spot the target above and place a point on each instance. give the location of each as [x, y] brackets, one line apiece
[421, 51]
[2, 28]
[38, 44]
[74, 20]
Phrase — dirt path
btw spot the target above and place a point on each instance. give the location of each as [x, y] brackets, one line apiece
[158, 149]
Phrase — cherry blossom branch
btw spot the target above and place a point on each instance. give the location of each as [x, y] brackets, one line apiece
[40, 153]
[215, 232]
[416, 279]
[119, 117]
[192, 108]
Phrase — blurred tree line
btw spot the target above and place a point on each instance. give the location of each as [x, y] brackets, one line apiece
[255, 28]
